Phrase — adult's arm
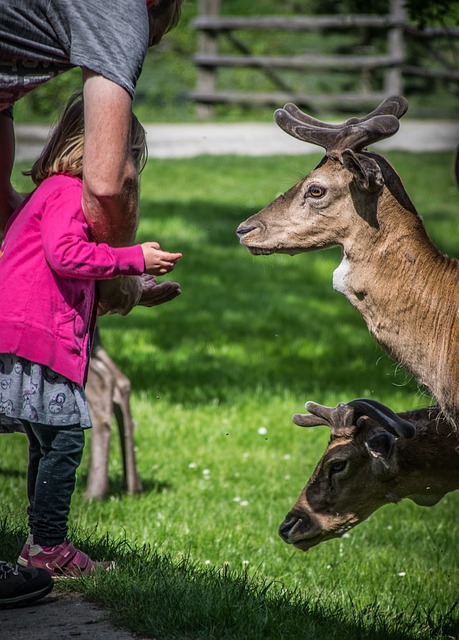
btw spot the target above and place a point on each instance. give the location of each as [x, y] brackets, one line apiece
[110, 182]
[9, 198]
[110, 191]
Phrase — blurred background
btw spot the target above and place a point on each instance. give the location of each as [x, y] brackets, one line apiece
[231, 60]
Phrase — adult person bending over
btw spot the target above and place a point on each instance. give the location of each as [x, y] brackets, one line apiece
[39, 39]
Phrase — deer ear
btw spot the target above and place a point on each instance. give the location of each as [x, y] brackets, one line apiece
[379, 448]
[365, 170]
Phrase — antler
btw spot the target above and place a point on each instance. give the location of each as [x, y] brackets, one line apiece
[355, 133]
[347, 415]
[340, 416]
[395, 105]
[379, 412]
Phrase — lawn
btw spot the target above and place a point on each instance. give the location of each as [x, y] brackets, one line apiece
[217, 375]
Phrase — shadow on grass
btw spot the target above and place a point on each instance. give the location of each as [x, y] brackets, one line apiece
[13, 473]
[157, 597]
[117, 485]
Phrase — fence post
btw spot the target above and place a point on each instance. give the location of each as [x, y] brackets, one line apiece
[393, 80]
[207, 44]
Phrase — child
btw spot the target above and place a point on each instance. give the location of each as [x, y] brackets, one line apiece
[48, 273]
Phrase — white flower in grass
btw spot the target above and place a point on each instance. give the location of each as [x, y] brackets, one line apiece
[262, 431]
[192, 465]
[237, 499]
[244, 503]
[402, 573]
[206, 473]
[207, 562]
[245, 562]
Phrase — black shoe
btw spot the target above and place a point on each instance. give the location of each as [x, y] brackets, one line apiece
[19, 586]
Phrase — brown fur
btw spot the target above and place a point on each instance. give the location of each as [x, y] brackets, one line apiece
[403, 287]
[424, 469]
[108, 392]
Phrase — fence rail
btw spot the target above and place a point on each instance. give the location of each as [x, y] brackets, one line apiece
[212, 27]
[298, 23]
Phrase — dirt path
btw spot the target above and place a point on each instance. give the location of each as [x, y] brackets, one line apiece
[252, 139]
[60, 616]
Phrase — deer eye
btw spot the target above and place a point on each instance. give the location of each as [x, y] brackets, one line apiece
[337, 466]
[315, 191]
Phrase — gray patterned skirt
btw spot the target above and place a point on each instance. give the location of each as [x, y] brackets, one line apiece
[34, 392]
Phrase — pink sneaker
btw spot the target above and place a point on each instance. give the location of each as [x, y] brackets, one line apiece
[63, 560]
[23, 559]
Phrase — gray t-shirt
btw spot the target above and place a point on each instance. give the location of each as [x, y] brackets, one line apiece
[40, 39]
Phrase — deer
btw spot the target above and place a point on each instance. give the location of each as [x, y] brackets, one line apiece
[108, 392]
[405, 289]
[374, 457]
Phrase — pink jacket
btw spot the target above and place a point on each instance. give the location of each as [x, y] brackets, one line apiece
[48, 273]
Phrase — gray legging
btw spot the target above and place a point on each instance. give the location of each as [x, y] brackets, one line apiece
[54, 456]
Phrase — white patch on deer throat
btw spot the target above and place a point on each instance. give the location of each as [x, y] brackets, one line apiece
[339, 276]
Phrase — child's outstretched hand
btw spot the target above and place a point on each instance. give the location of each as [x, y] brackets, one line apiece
[158, 262]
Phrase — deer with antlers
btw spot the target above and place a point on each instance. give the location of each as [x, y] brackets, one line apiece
[374, 457]
[391, 272]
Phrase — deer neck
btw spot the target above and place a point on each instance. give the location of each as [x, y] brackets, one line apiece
[428, 466]
[389, 266]
[403, 287]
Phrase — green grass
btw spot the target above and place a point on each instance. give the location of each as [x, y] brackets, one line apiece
[217, 375]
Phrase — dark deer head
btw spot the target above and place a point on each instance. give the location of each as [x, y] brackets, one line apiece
[354, 476]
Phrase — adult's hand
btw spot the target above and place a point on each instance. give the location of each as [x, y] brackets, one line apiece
[119, 295]
[154, 294]
[123, 294]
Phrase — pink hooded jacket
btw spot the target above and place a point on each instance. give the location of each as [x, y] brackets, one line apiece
[48, 273]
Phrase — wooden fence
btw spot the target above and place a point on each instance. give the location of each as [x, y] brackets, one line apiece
[212, 27]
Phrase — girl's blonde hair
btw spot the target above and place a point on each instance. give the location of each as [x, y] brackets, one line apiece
[63, 152]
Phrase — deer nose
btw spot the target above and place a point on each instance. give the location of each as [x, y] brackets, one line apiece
[243, 230]
[286, 527]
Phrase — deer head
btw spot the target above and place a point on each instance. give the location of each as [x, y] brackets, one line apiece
[329, 206]
[355, 475]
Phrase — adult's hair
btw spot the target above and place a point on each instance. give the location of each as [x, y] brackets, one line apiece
[164, 16]
[63, 152]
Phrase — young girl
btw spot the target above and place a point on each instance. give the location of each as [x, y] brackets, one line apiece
[48, 273]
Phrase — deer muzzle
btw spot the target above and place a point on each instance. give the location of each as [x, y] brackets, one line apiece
[302, 532]
[253, 244]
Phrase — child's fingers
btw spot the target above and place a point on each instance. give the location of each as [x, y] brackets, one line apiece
[170, 257]
[159, 262]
